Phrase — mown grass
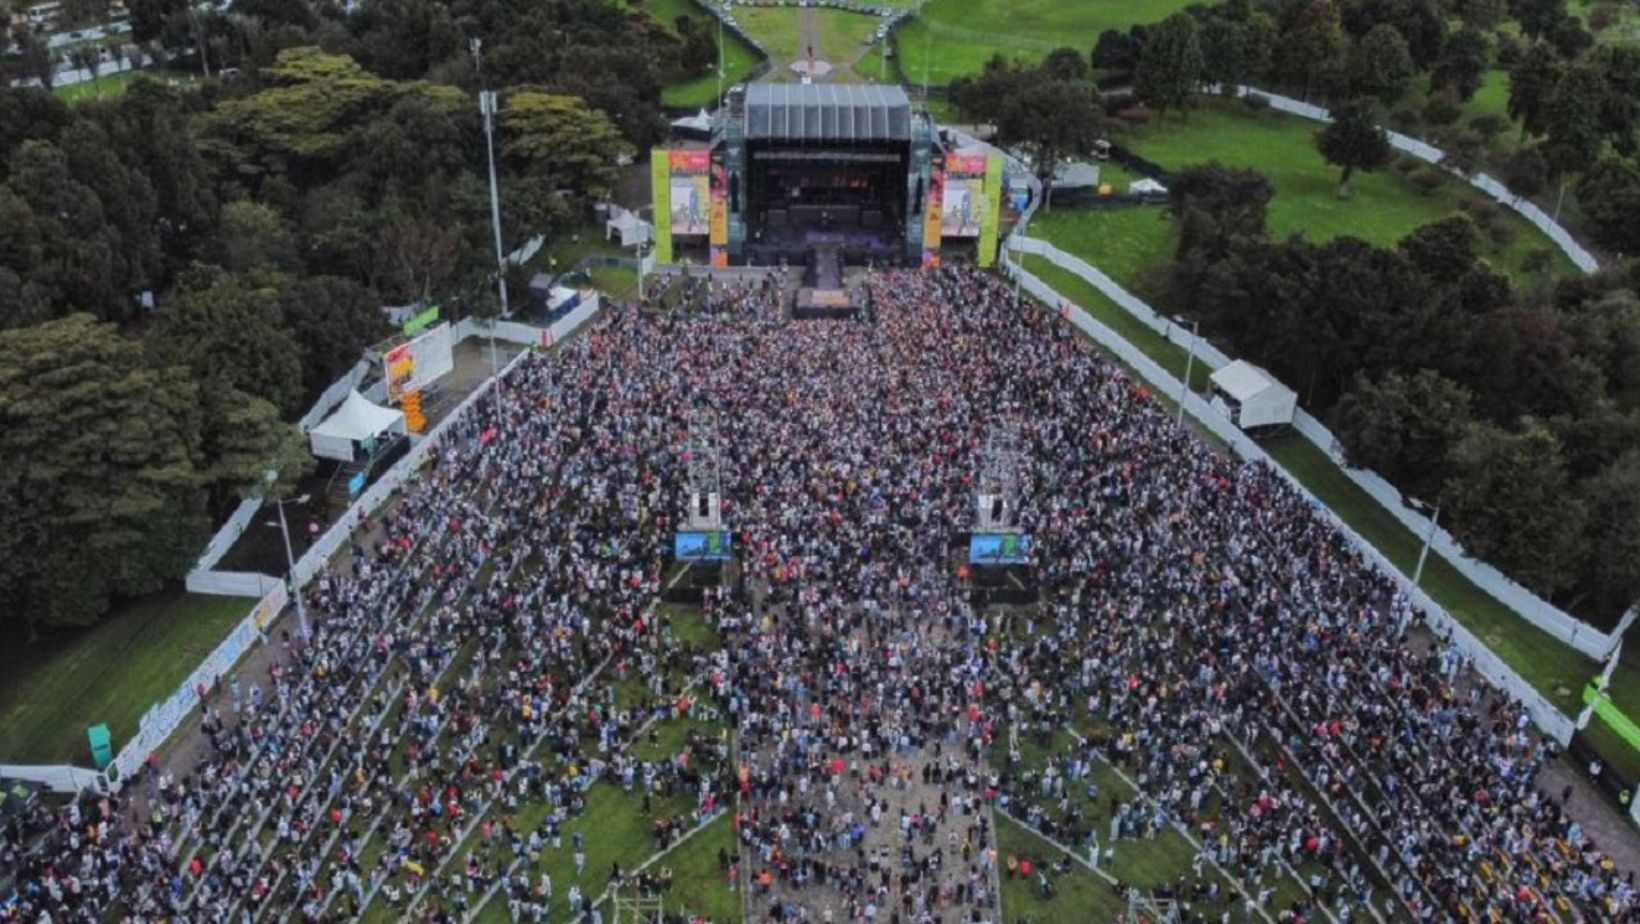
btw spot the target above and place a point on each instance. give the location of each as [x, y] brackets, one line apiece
[1383, 206]
[952, 38]
[112, 672]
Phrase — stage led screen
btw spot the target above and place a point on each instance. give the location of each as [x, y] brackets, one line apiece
[712, 546]
[963, 210]
[998, 548]
[691, 195]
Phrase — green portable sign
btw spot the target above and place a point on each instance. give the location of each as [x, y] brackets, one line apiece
[1620, 723]
[424, 319]
[102, 745]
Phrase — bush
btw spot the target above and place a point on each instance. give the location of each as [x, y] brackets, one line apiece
[1509, 49]
[1405, 120]
[1134, 115]
[1488, 126]
[1428, 180]
[1407, 164]
[1538, 260]
[1602, 17]
[1255, 102]
[1501, 233]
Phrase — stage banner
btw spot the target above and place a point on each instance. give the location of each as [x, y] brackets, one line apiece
[719, 238]
[963, 209]
[932, 212]
[690, 193]
[660, 181]
[991, 218]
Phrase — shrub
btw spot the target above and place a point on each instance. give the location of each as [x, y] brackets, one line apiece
[1428, 180]
[1488, 126]
[1602, 17]
[1538, 260]
[1443, 108]
[1255, 102]
[1509, 49]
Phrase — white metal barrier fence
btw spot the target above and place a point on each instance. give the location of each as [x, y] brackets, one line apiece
[1551, 720]
[164, 717]
[1564, 627]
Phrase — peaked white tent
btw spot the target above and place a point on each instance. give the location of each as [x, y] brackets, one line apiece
[632, 229]
[1251, 397]
[355, 421]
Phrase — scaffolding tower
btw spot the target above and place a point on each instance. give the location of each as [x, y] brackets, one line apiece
[704, 472]
[1147, 909]
[996, 483]
[632, 907]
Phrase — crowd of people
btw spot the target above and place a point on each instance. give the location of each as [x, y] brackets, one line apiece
[490, 642]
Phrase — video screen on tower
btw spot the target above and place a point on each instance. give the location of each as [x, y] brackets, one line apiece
[999, 549]
[709, 546]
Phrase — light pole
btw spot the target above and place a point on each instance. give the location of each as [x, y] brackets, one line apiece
[486, 106]
[1189, 360]
[1429, 536]
[290, 560]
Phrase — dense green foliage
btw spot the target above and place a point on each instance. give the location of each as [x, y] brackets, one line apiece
[1519, 409]
[182, 270]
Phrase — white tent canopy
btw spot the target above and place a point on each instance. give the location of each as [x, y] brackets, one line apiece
[354, 422]
[1258, 399]
[631, 229]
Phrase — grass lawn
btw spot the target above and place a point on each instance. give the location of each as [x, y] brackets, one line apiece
[110, 673]
[699, 887]
[952, 38]
[111, 85]
[1382, 209]
[1080, 895]
[693, 91]
[843, 34]
[775, 29]
[1123, 242]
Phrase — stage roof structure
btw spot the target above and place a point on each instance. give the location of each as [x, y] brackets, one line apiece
[827, 112]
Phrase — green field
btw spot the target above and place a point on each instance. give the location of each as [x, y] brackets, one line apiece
[110, 673]
[1383, 207]
[951, 38]
[843, 34]
[775, 29]
[111, 85]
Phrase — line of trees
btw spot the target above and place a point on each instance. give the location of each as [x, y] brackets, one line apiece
[1518, 410]
[183, 269]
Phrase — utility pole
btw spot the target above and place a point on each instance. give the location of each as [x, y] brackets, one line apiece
[486, 106]
[290, 563]
[1429, 536]
[720, 62]
[1189, 361]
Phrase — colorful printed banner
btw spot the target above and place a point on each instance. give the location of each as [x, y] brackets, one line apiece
[932, 212]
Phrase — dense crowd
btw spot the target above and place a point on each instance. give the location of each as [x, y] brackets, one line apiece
[489, 643]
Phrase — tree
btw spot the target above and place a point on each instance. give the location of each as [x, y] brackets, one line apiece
[1403, 427]
[1532, 83]
[97, 474]
[1538, 17]
[1065, 64]
[1509, 504]
[39, 61]
[1051, 120]
[1572, 123]
[1612, 499]
[1610, 195]
[1381, 66]
[1443, 250]
[1464, 62]
[1116, 51]
[1171, 67]
[226, 331]
[1314, 51]
[561, 139]
[1483, 14]
[1214, 205]
[333, 320]
[1354, 142]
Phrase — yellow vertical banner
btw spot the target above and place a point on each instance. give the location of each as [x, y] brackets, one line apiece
[660, 178]
[718, 232]
[991, 217]
[932, 214]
